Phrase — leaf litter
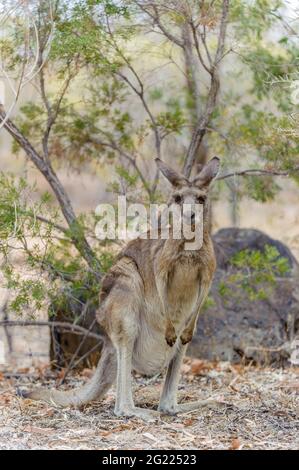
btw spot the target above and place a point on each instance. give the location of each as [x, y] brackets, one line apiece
[256, 408]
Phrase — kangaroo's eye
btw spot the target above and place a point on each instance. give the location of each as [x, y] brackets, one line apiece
[177, 199]
[201, 199]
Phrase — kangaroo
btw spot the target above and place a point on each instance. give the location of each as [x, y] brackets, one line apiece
[149, 304]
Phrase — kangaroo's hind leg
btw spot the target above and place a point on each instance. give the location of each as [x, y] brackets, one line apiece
[122, 312]
[168, 401]
[124, 405]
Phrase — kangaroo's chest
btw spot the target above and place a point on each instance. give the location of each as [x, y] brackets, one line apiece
[182, 289]
[151, 352]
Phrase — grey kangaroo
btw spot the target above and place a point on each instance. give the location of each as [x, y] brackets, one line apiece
[149, 304]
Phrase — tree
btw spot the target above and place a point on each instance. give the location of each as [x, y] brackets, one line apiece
[224, 66]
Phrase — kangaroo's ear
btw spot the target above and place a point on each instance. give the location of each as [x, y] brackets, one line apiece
[208, 173]
[176, 179]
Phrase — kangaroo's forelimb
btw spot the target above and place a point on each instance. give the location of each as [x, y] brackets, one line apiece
[163, 266]
[188, 332]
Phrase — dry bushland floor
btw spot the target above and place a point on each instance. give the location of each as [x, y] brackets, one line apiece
[257, 409]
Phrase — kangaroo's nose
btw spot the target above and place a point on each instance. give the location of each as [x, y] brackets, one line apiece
[192, 217]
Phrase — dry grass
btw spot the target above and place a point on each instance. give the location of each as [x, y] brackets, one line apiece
[258, 409]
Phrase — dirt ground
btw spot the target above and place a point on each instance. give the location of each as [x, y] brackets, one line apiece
[256, 409]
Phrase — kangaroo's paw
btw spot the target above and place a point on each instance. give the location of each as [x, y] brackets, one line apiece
[170, 333]
[186, 337]
[135, 412]
[170, 336]
[171, 339]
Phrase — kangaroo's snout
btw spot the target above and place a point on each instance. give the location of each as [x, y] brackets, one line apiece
[189, 217]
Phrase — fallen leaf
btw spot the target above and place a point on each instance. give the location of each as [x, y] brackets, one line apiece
[105, 433]
[235, 444]
[149, 436]
[6, 399]
[23, 370]
[122, 427]
[88, 373]
[60, 375]
[36, 430]
[42, 370]
[185, 369]
[197, 366]
[188, 422]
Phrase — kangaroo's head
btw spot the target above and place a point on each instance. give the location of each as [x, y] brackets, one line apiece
[191, 192]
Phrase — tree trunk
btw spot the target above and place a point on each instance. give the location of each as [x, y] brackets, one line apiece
[193, 89]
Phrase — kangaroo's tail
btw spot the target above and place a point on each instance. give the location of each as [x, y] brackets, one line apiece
[100, 383]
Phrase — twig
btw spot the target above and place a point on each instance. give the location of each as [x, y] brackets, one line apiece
[94, 348]
[52, 224]
[157, 21]
[258, 172]
[198, 49]
[76, 329]
[74, 356]
[128, 157]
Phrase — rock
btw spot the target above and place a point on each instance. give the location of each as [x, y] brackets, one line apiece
[237, 329]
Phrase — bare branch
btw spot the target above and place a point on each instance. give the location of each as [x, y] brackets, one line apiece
[76, 329]
[52, 224]
[201, 60]
[81, 359]
[222, 33]
[154, 15]
[203, 36]
[191, 71]
[258, 172]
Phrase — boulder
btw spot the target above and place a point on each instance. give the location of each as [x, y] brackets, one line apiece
[233, 327]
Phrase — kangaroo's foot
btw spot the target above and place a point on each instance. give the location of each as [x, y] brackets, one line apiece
[134, 411]
[174, 408]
